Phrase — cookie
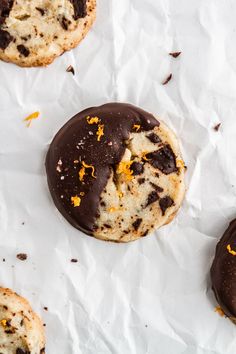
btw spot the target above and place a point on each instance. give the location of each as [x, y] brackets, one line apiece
[35, 32]
[21, 330]
[115, 172]
[223, 272]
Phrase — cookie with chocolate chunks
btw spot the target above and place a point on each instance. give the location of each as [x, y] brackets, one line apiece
[35, 32]
[95, 164]
[223, 272]
[21, 330]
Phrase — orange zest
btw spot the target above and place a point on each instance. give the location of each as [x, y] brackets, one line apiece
[93, 120]
[136, 127]
[76, 201]
[29, 119]
[124, 167]
[82, 171]
[229, 249]
[100, 131]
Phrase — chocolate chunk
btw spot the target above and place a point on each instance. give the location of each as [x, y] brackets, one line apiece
[5, 8]
[80, 8]
[23, 50]
[137, 223]
[22, 256]
[42, 351]
[71, 70]
[167, 80]
[223, 271]
[5, 39]
[107, 226]
[163, 159]
[141, 180]
[165, 203]
[154, 138]
[137, 168]
[145, 233]
[75, 142]
[156, 187]
[152, 197]
[64, 22]
[175, 54]
[42, 11]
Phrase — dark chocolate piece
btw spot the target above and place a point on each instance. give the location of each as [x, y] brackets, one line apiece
[167, 80]
[71, 70]
[154, 138]
[22, 351]
[74, 260]
[78, 142]
[80, 8]
[137, 168]
[156, 187]
[42, 11]
[217, 127]
[141, 180]
[163, 159]
[23, 50]
[165, 203]
[137, 223]
[223, 271]
[5, 39]
[152, 197]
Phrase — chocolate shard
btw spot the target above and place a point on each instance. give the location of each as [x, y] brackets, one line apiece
[80, 8]
[5, 39]
[23, 50]
[165, 203]
[152, 198]
[167, 80]
[163, 159]
[137, 168]
[154, 138]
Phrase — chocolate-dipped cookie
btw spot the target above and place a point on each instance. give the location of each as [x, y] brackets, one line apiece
[115, 172]
[35, 32]
[223, 272]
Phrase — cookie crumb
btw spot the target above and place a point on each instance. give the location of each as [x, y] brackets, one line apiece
[167, 80]
[71, 70]
[21, 256]
[175, 54]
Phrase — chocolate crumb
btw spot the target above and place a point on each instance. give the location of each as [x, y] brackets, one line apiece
[167, 80]
[175, 54]
[154, 138]
[4, 260]
[22, 256]
[156, 187]
[74, 260]
[45, 308]
[141, 180]
[217, 127]
[42, 11]
[71, 70]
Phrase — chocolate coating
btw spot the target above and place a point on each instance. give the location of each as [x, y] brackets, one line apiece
[223, 272]
[77, 141]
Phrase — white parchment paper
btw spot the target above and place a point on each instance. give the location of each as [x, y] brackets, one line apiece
[152, 296]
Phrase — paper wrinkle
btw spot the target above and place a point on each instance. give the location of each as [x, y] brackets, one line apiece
[152, 296]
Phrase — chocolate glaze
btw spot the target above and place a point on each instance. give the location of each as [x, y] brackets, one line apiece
[80, 8]
[223, 272]
[77, 140]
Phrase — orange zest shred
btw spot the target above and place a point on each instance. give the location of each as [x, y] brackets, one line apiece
[100, 131]
[82, 194]
[136, 127]
[230, 250]
[112, 209]
[124, 167]
[76, 201]
[93, 120]
[143, 155]
[4, 323]
[32, 116]
[82, 171]
[219, 310]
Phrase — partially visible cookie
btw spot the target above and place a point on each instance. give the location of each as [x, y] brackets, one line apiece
[35, 32]
[21, 330]
[116, 172]
[223, 272]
